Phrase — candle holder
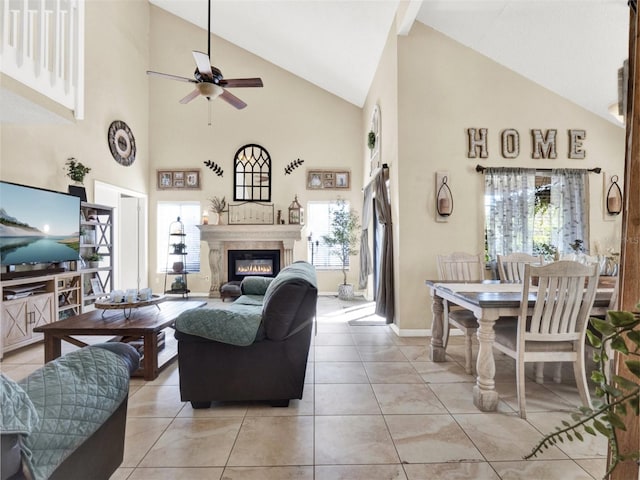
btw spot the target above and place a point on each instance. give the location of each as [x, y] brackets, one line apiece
[614, 197]
[444, 198]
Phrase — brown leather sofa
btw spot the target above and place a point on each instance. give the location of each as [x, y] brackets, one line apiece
[273, 367]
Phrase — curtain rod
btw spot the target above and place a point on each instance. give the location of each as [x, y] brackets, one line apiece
[480, 168]
[374, 174]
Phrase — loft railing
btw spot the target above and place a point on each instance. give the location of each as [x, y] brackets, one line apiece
[42, 46]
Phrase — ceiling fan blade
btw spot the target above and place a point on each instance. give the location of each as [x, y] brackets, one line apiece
[241, 82]
[190, 97]
[203, 64]
[232, 100]
[171, 77]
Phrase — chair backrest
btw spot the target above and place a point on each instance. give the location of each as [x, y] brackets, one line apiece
[460, 266]
[511, 267]
[566, 291]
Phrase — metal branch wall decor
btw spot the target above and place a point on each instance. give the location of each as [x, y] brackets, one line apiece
[292, 166]
[215, 167]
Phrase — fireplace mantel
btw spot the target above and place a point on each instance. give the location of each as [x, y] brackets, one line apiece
[222, 238]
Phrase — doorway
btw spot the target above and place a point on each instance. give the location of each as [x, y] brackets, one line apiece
[130, 221]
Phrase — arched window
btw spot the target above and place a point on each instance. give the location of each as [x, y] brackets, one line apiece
[252, 174]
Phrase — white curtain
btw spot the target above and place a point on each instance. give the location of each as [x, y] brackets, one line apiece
[365, 253]
[570, 192]
[509, 209]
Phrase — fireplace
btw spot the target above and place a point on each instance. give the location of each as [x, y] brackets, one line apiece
[263, 263]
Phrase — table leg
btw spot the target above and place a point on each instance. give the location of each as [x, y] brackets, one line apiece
[438, 353]
[52, 347]
[485, 396]
[150, 360]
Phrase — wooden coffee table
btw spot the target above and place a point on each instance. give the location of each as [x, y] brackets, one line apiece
[147, 323]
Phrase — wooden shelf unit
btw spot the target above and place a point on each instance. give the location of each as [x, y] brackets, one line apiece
[42, 299]
[96, 222]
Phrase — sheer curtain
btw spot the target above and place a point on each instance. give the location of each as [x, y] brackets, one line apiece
[509, 209]
[365, 253]
[570, 193]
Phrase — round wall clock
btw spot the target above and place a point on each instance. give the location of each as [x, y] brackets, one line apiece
[121, 143]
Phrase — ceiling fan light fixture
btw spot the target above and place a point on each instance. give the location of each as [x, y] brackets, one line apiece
[210, 90]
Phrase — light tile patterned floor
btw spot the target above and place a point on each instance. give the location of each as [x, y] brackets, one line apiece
[374, 407]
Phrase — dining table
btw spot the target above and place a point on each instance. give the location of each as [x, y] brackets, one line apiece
[488, 300]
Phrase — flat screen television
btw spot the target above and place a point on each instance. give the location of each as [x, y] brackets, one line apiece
[38, 226]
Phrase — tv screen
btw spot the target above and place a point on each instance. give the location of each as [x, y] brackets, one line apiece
[38, 225]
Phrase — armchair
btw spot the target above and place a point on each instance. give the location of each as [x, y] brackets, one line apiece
[266, 363]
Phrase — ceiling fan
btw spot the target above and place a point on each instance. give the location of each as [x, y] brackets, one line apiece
[208, 79]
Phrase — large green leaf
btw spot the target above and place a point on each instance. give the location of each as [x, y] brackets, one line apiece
[603, 326]
[633, 366]
[624, 382]
[634, 336]
[594, 340]
[619, 345]
[616, 421]
[621, 319]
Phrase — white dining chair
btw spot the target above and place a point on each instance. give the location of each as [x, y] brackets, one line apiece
[511, 270]
[460, 266]
[511, 266]
[555, 331]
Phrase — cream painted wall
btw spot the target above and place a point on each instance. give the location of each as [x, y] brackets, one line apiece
[445, 88]
[116, 56]
[384, 93]
[290, 117]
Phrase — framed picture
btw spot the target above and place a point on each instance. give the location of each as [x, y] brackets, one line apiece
[96, 287]
[179, 179]
[328, 180]
[342, 180]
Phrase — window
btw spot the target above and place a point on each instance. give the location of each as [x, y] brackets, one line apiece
[319, 223]
[252, 174]
[541, 213]
[189, 213]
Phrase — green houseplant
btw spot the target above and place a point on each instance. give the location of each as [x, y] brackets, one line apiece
[76, 171]
[343, 241]
[93, 259]
[617, 395]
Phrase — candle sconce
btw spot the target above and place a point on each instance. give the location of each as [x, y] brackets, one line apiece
[444, 197]
[614, 197]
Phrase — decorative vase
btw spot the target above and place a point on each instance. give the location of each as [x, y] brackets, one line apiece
[214, 219]
[178, 266]
[345, 291]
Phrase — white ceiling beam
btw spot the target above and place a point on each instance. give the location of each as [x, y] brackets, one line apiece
[406, 14]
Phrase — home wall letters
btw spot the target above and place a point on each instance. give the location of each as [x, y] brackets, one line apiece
[543, 143]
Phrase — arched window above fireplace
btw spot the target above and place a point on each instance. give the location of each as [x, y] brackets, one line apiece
[252, 174]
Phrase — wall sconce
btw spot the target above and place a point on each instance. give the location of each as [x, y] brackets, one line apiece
[444, 197]
[614, 197]
[296, 213]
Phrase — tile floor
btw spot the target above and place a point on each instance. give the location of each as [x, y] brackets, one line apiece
[374, 407]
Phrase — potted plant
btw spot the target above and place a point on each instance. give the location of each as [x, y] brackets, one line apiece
[371, 140]
[178, 248]
[618, 395]
[343, 242]
[218, 207]
[93, 259]
[76, 171]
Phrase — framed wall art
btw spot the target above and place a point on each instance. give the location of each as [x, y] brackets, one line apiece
[328, 180]
[179, 179]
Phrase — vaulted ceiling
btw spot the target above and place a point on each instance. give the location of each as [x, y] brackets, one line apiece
[571, 47]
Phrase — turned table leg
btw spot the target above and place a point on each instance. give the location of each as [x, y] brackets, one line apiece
[485, 396]
[438, 352]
